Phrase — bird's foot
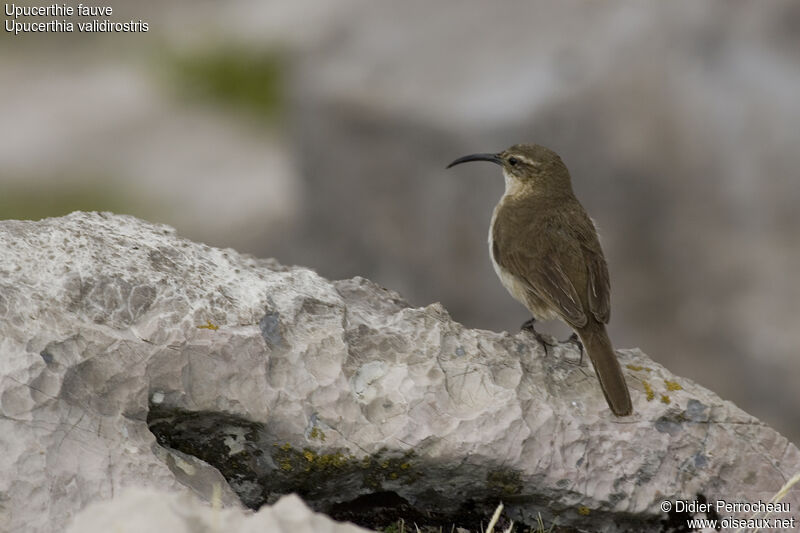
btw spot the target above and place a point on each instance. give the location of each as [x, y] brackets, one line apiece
[528, 326]
[575, 339]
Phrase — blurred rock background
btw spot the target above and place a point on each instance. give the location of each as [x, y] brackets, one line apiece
[317, 132]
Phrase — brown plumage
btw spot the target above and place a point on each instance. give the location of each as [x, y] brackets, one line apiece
[545, 250]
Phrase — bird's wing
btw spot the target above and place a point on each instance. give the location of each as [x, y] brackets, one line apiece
[536, 261]
[598, 286]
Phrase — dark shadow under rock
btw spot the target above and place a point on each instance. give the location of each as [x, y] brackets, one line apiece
[372, 491]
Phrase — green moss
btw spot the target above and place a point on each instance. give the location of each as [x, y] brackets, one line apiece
[249, 79]
[506, 482]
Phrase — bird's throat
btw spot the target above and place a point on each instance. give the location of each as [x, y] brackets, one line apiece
[513, 186]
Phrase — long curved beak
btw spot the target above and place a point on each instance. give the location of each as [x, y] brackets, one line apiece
[493, 158]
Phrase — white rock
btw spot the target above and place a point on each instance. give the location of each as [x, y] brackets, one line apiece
[114, 329]
[148, 510]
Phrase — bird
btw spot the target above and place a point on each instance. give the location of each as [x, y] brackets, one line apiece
[546, 252]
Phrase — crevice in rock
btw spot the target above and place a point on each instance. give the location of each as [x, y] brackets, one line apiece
[227, 442]
[373, 491]
[259, 469]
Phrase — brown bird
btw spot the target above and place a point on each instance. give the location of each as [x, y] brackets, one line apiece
[545, 251]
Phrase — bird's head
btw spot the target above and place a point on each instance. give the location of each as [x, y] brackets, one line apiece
[527, 168]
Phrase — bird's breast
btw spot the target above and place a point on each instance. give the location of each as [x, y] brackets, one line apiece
[513, 284]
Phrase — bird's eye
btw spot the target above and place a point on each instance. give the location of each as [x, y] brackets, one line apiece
[513, 161]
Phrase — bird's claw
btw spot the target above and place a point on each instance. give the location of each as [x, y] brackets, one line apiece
[577, 341]
[528, 326]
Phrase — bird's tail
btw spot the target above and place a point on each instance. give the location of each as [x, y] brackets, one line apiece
[597, 344]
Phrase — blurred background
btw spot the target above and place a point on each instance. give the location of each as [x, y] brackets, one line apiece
[317, 132]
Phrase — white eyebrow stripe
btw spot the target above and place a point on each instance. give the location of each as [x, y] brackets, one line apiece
[525, 159]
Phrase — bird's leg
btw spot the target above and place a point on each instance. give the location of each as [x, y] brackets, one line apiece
[528, 326]
[574, 338]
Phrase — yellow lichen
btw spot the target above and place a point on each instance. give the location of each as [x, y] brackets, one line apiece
[209, 325]
[665, 399]
[375, 469]
[648, 390]
[333, 460]
[583, 510]
[672, 385]
[637, 368]
[317, 434]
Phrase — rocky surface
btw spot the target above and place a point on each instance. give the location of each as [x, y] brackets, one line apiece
[131, 357]
[140, 510]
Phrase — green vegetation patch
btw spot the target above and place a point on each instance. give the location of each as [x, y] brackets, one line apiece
[248, 79]
[506, 482]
